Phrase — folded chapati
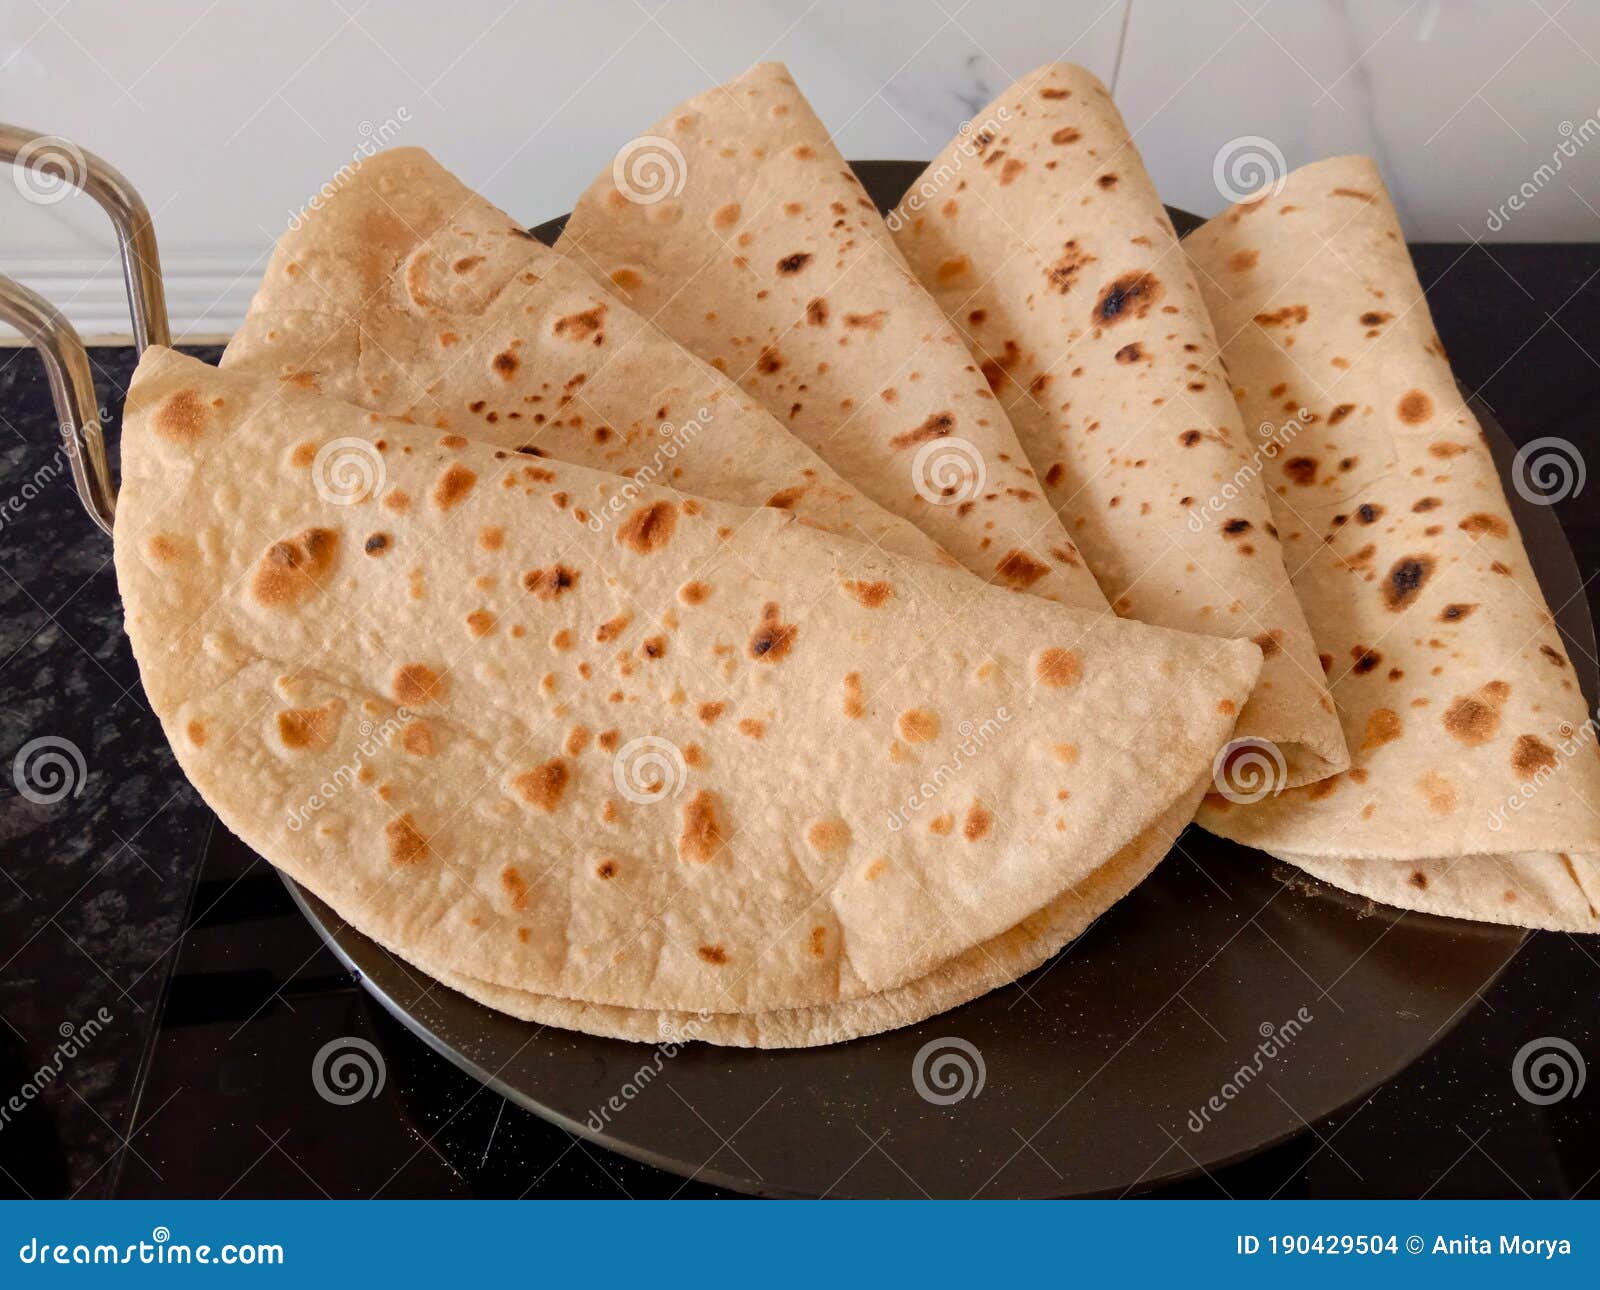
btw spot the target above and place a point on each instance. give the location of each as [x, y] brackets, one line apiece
[1475, 784]
[407, 292]
[359, 258]
[763, 254]
[1042, 237]
[667, 755]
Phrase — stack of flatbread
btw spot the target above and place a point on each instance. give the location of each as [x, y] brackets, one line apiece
[760, 621]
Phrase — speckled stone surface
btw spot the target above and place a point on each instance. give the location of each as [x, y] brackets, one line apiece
[93, 886]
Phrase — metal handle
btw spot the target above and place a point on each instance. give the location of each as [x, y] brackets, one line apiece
[66, 363]
[65, 162]
[72, 388]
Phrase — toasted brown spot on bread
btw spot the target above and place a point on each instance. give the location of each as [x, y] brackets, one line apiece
[416, 684]
[543, 786]
[918, 725]
[694, 593]
[1057, 669]
[826, 837]
[713, 954]
[1383, 727]
[1482, 524]
[181, 418]
[1063, 272]
[583, 325]
[772, 640]
[609, 630]
[977, 822]
[1241, 261]
[515, 887]
[1302, 471]
[701, 836]
[1472, 720]
[648, 528]
[294, 570]
[547, 584]
[854, 703]
[791, 264]
[406, 843]
[453, 485]
[1437, 792]
[936, 426]
[1130, 296]
[1405, 580]
[308, 727]
[1530, 755]
[1020, 569]
[377, 544]
[871, 594]
[1418, 879]
[417, 739]
[1414, 407]
[164, 549]
[504, 364]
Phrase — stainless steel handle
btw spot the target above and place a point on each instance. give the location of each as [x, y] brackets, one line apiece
[72, 387]
[64, 161]
[66, 363]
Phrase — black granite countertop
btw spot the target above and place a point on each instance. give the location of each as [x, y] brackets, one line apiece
[95, 886]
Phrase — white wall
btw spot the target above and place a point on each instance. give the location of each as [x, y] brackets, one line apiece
[228, 116]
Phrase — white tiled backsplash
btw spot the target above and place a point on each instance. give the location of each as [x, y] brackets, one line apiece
[228, 117]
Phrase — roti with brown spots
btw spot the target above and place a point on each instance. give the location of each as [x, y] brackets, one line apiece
[408, 293]
[773, 265]
[1474, 788]
[1040, 234]
[626, 874]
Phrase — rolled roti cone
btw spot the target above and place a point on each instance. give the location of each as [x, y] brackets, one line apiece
[762, 253]
[426, 217]
[1041, 236]
[672, 760]
[1474, 788]
[407, 292]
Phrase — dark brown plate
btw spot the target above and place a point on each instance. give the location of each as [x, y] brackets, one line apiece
[1096, 1068]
